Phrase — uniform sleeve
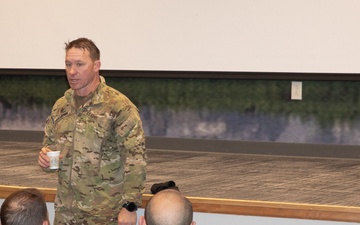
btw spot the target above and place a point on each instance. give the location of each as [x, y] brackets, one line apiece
[132, 140]
[48, 132]
[48, 137]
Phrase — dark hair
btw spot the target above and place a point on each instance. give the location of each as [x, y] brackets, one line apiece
[26, 206]
[84, 43]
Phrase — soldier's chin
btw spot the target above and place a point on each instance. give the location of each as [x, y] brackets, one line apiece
[73, 82]
[74, 86]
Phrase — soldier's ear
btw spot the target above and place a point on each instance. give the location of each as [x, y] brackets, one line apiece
[97, 65]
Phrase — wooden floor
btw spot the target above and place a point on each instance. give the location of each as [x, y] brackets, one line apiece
[304, 180]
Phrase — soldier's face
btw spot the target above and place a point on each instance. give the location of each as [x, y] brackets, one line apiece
[81, 71]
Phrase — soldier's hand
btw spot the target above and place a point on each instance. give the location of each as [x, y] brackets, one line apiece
[43, 159]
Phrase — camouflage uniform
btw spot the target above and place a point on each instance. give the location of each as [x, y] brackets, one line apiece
[104, 156]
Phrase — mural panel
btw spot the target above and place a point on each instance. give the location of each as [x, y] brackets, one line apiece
[248, 110]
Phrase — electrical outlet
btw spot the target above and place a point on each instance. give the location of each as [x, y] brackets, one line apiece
[296, 90]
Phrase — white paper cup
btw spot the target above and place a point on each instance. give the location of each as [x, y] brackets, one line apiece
[54, 157]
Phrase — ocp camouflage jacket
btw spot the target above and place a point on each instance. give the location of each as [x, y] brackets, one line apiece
[103, 152]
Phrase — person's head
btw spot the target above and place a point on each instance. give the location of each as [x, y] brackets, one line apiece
[82, 65]
[168, 207]
[26, 206]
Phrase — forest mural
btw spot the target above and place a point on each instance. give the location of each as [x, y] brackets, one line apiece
[226, 109]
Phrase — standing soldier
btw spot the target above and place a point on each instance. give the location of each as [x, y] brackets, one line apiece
[99, 133]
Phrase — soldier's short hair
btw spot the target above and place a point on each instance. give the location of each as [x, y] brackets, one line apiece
[84, 43]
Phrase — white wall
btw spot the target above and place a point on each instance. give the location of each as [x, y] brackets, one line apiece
[195, 35]
[218, 219]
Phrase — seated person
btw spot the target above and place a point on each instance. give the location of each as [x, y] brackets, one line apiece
[26, 206]
[168, 207]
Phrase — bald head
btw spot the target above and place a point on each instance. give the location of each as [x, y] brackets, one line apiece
[169, 207]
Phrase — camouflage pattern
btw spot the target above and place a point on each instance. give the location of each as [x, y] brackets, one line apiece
[104, 156]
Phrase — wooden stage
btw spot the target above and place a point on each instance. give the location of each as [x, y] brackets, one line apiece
[230, 183]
